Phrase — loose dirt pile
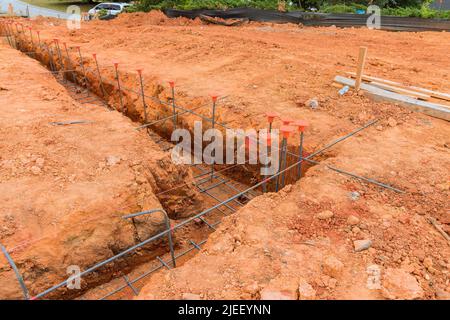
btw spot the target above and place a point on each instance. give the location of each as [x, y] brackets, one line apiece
[65, 188]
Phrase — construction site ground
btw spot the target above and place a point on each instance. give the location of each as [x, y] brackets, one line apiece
[298, 243]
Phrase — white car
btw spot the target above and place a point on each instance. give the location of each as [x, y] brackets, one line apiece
[113, 8]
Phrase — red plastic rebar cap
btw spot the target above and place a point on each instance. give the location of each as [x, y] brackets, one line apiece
[37, 31]
[286, 121]
[56, 39]
[271, 115]
[172, 84]
[214, 97]
[116, 64]
[286, 131]
[301, 125]
[139, 71]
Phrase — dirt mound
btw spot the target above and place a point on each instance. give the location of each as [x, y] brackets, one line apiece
[154, 17]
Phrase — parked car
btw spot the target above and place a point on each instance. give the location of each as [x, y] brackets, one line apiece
[112, 8]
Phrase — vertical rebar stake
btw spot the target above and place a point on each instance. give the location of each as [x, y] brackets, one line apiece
[214, 100]
[286, 131]
[283, 164]
[31, 37]
[300, 156]
[268, 145]
[69, 63]
[270, 118]
[58, 51]
[116, 67]
[39, 38]
[279, 165]
[99, 75]
[172, 86]
[301, 125]
[139, 71]
[51, 59]
[82, 67]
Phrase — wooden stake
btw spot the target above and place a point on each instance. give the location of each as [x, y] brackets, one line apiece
[360, 67]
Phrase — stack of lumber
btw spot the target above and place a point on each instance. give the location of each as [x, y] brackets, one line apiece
[433, 103]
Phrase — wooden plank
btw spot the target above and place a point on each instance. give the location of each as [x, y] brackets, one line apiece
[360, 67]
[435, 94]
[431, 109]
[413, 94]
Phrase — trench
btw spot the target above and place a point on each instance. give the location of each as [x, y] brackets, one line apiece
[79, 75]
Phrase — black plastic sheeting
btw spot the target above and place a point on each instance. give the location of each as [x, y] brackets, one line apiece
[316, 19]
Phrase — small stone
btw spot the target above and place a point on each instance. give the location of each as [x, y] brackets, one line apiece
[428, 262]
[332, 283]
[140, 179]
[190, 296]
[392, 122]
[252, 288]
[306, 291]
[327, 214]
[443, 186]
[198, 221]
[112, 160]
[352, 220]
[332, 267]
[400, 285]
[280, 288]
[354, 195]
[312, 103]
[361, 245]
[442, 295]
[40, 162]
[35, 170]
[356, 230]
[379, 128]
[277, 294]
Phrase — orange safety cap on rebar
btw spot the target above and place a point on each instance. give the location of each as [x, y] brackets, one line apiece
[286, 131]
[301, 125]
[56, 39]
[271, 116]
[139, 71]
[172, 84]
[116, 64]
[94, 55]
[214, 97]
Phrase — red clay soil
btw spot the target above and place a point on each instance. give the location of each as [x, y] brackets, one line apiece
[300, 243]
[64, 189]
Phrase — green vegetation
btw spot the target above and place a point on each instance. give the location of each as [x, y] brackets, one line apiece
[403, 8]
[210, 4]
[422, 11]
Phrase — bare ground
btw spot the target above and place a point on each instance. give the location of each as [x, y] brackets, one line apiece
[277, 242]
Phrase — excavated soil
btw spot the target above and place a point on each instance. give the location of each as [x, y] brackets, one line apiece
[64, 188]
[299, 243]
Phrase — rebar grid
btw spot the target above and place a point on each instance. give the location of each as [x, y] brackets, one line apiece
[14, 40]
